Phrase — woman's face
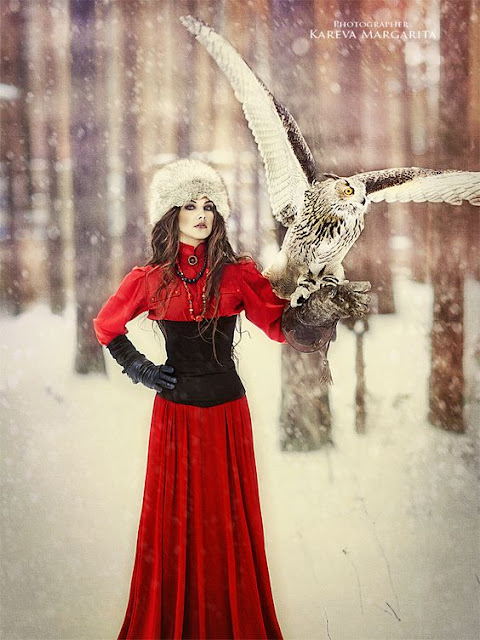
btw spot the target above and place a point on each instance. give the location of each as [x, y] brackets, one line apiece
[195, 221]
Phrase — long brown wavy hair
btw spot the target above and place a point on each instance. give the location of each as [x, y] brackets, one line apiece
[165, 242]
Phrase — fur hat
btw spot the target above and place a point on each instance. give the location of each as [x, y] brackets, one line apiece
[179, 182]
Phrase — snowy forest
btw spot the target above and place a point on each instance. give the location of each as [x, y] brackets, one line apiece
[369, 487]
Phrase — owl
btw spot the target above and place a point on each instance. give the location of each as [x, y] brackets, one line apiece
[324, 216]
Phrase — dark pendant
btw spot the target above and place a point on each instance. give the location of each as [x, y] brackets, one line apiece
[192, 260]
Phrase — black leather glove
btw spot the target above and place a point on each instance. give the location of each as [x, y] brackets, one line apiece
[138, 368]
[312, 326]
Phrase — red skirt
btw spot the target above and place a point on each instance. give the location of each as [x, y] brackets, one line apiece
[200, 568]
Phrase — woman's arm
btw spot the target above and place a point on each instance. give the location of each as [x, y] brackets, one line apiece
[129, 301]
[138, 368]
[262, 306]
[307, 332]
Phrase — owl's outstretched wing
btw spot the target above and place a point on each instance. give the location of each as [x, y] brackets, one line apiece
[413, 184]
[289, 165]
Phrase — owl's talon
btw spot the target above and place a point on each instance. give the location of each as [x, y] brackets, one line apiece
[299, 296]
[329, 281]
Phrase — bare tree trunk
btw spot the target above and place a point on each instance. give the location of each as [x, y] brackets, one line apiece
[305, 410]
[55, 225]
[163, 94]
[448, 227]
[305, 417]
[55, 239]
[257, 49]
[135, 240]
[360, 391]
[473, 253]
[230, 135]
[12, 267]
[184, 104]
[200, 81]
[419, 115]
[14, 155]
[311, 327]
[89, 185]
[349, 103]
[61, 196]
[423, 121]
[371, 77]
[40, 88]
[354, 120]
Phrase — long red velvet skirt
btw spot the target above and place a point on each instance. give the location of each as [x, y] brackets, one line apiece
[200, 568]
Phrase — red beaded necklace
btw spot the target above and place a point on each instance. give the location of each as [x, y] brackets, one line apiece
[184, 279]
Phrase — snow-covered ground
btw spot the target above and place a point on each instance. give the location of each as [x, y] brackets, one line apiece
[374, 538]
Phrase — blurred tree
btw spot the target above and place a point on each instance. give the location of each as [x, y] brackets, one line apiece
[421, 60]
[359, 125]
[200, 83]
[359, 327]
[135, 240]
[305, 411]
[55, 226]
[14, 156]
[92, 251]
[473, 252]
[246, 158]
[183, 74]
[230, 133]
[55, 229]
[364, 81]
[159, 83]
[448, 236]
[40, 91]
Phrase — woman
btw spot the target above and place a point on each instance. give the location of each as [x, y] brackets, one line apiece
[200, 568]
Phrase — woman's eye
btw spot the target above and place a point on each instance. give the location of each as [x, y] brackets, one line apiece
[208, 207]
[189, 207]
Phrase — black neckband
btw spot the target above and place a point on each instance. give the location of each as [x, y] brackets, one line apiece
[191, 280]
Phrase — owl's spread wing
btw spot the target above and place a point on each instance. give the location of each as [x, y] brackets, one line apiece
[296, 139]
[413, 184]
[289, 165]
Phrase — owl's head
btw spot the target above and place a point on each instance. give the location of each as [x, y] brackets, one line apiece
[345, 190]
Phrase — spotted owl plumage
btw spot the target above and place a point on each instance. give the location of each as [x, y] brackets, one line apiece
[318, 238]
[324, 216]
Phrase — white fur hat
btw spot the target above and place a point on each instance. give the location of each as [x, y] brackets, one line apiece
[179, 182]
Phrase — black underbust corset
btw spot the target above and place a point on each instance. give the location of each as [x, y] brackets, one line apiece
[205, 377]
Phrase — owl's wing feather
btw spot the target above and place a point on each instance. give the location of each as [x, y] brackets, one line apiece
[413, 184]
[289, 169]
[296, 139]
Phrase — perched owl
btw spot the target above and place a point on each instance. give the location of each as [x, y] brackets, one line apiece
[324, 215]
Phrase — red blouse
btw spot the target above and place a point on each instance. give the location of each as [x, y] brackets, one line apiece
[242, 288]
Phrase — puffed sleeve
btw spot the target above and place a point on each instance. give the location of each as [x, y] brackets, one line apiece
[262, 306]
[129, 301]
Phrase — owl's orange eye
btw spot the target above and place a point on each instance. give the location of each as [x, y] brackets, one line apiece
[348, 191]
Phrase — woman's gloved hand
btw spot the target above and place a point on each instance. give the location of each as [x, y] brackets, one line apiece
[311, 326]
[138, 368]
